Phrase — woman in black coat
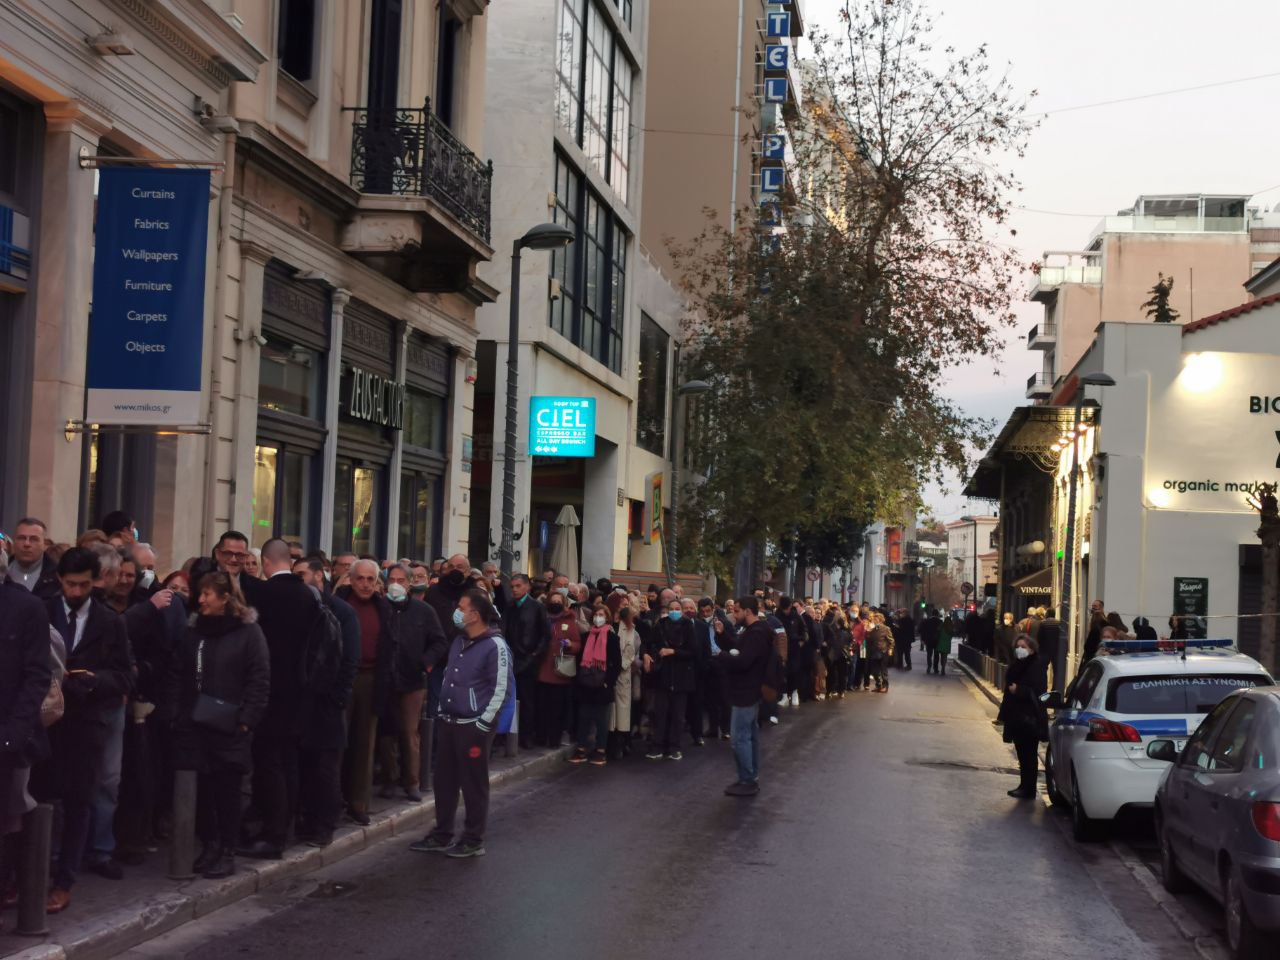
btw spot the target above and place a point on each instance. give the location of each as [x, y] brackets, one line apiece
[670, 657]
[218, 691]
[1025, 720]
[594, 688]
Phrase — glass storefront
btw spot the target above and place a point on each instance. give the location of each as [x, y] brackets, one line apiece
[357, 493]
[281, 494]
[419, 512]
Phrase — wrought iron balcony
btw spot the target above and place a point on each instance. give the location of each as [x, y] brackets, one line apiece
[408, 152]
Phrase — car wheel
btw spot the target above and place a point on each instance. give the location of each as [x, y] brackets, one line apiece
[1245, 940]
[1084, 829]
[1051, 781]
[1171, 875]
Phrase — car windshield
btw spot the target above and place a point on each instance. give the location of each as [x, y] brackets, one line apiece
[1181, 694]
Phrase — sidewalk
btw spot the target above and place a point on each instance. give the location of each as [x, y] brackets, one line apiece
[107, 917]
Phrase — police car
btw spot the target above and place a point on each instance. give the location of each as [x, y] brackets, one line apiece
[1135, 691]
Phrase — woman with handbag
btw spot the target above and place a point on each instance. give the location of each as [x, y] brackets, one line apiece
[218, 690]
[555, 675]
[594, 687]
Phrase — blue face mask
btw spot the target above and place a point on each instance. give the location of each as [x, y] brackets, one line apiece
[457, 618]
[676, 614]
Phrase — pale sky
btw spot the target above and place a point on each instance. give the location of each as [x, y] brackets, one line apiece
[1084, 164]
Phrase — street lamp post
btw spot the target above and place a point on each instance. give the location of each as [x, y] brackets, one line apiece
[1068, 550]
[545, 236]
[673, 557]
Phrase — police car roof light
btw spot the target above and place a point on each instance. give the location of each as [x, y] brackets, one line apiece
[1169, 646]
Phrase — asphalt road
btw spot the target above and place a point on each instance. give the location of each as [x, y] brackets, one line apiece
[882, 830]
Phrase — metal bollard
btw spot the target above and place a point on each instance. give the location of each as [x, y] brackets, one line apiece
[33, 878]
[182, 846]
[426, 733]
[511, 740]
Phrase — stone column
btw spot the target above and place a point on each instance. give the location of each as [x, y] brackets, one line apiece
[397, 454]
[338, 300]
[63, 265]
[455, 533]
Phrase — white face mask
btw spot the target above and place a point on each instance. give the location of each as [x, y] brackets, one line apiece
[396, 592]
[1022, 653]
[599, 620]
[148, 577]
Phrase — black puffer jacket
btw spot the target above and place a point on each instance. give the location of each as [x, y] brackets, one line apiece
[677, 672]
[1024, 715]
[237, 668]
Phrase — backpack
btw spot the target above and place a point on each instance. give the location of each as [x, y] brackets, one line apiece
[321, 661]
[775, 677]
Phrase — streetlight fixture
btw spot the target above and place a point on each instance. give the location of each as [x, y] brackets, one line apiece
[1068, 550]
[688, 388]
[545, 236]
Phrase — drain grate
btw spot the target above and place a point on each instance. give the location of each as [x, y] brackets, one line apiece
[962, 765]
[909, 720]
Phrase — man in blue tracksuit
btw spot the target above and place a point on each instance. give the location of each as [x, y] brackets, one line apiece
[477, 694]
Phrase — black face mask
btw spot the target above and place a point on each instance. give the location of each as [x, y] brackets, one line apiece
[555, 609]
[456, 578]
[77, 603]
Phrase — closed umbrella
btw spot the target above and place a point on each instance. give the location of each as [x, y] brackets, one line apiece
[564, 555]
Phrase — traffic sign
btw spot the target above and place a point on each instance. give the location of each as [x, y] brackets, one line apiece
[813, 576]
[966, 588]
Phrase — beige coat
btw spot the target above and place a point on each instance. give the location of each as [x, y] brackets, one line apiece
[620, 713]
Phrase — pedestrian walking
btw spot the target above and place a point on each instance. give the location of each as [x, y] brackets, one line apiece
[476, 696]
[744, 658]
[599, 667]
[1025, 721]
[218, 694]
[930, 631]
[944, 646]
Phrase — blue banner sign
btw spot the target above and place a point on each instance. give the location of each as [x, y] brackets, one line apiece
[775, 90]
[779, 24]
[147, 326]
[771, 179]
[775, 56]
[774, 147]
[562, 426]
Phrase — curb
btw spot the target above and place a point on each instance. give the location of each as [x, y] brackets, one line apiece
[984, 688]
[121, 930]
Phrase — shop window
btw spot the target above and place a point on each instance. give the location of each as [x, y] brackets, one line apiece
[289, 378]
[651, 401]
[295, 39]
[424, 417]
[281, 494]
[419, 499]
[355, 504]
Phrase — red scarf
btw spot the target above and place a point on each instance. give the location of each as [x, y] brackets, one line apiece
[596, 652]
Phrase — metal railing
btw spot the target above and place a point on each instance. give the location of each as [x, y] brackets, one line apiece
[1048, 331]
[1039, 383]
[1073, 273]
[410, 152]
[988, 668]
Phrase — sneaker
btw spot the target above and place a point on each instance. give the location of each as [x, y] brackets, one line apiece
[741, 789]
[774, 721]
[819, 696]
[675, 755]
[699, 742]
[462, 851]
[598, 759]
[431, 844]
[725, 736]
[654, 755]
[579, 756]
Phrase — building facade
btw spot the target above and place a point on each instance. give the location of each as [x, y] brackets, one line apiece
[348, 215]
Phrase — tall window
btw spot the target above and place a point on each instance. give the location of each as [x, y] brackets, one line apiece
[593, 99]
[385, 20]
[624, 8]
[651, 400]
[592, 271]
[446, 66]
[295, 38]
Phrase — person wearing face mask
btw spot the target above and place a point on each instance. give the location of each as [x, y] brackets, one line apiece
[671, 659]
[1006, 635]
[555, 684]
[527, 633]
[418, 643]
[99, 677]
[419, 581]
[476, 699]
[629, 644]
[1026, 723]
[599, 667]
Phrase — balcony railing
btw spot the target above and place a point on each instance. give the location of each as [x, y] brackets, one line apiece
[1039, 385]
[1076, 273]
[1042, 336]
[409, 152]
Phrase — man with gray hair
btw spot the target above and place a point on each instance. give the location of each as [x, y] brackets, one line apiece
[368, 696]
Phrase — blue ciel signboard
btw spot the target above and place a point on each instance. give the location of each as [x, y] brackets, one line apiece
[147, 326]
[562, 426]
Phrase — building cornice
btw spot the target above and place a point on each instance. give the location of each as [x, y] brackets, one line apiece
[201, 35]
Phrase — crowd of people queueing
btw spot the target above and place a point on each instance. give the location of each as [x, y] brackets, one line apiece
[294, 683]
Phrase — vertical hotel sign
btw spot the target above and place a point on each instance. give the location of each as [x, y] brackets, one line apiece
[147, 328]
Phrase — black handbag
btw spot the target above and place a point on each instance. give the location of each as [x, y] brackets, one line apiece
[213, 713]
[592, 678]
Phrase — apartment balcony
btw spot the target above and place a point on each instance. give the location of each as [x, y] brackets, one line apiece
[1043, 336]
[423, 218]
[1051, 278]
[1039, 386]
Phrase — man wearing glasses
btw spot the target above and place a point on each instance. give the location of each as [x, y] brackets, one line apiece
[231, 552]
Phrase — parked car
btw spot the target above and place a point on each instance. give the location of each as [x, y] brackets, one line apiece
[1217, 815]
[1096, 762]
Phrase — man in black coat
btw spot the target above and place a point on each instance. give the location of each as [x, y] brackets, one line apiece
[930, 630]
[323, 722]
[99, 677]
[24, 682]
[287, 611]
[31, 567]
[712, 632]
[527, 632]
[744, 658]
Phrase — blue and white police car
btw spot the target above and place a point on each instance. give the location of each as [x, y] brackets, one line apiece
[1135, 691]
